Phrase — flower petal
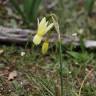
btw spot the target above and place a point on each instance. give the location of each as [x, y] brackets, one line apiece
[41, 30]
[42, 22]
[42, 26]
[49, 27]
[37, 39]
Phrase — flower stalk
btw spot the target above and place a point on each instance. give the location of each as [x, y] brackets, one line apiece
[43, 28]
[56, 25]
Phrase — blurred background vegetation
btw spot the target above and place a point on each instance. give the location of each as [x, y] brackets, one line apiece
[73, 15]
[38, 74]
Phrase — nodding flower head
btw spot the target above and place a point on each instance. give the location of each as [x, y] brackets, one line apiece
[43, 28]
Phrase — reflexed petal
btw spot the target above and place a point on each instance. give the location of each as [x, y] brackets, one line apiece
[47, 23]
[37, 40]
[42, 27]
[49, 27]
[43, 21]
[41, 31]
[45, 47]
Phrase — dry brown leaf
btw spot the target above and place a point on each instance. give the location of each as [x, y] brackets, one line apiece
[12, 75]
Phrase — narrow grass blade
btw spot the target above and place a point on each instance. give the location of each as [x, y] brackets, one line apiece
[31, 8]
[89, 5]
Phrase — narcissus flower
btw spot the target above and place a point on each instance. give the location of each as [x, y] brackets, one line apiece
[45, 47]
[43, 28]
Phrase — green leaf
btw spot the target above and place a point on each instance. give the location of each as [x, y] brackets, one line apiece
[27, 7]
[89, 5]
[80, 57]
[31, 8]
[29, 11]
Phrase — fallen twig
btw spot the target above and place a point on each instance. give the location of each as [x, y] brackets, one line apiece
[17, 35]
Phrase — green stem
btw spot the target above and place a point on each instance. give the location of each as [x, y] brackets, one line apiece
[61, 67]
[56, 25]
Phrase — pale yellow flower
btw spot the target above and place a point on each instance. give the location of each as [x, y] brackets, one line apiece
[43, 28]
[45, 47]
